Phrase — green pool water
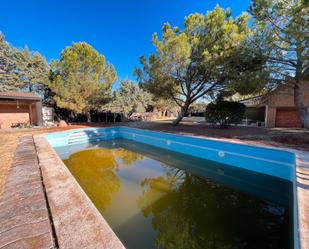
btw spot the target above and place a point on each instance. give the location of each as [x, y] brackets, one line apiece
[154, 198]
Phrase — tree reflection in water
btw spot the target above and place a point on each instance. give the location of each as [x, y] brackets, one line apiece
[96, 172]
[151, 204]
[192, 212]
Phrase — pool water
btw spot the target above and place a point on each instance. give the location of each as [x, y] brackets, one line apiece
[155, 198]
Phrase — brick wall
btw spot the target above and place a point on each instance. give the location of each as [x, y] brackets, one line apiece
[283, 99]
[10, 113]
[287, 118]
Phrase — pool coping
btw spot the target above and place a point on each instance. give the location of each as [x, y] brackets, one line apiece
[24, 216]
[301, 182]
[77, 222]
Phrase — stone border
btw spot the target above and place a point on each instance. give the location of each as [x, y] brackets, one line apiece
[24, 216]
[77, 222]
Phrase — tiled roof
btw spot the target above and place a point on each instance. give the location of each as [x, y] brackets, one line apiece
[19, 95]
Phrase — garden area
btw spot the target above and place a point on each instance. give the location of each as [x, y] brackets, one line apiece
[215, 60]
[216, 105]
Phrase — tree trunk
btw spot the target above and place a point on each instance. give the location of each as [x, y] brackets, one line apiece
[88, 117]
[182, 113]
[300, 104]
[71, 116]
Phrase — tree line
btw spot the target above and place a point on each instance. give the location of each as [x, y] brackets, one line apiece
[214, 56]
[80, 81]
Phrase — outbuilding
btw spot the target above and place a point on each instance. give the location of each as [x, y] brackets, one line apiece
[20, 109]
[280, 109]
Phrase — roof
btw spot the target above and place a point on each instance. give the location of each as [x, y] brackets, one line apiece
[253, 101]
[19, 96]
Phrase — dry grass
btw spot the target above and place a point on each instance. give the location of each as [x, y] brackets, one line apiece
[8, 141]
[8, 144]
[279, 137]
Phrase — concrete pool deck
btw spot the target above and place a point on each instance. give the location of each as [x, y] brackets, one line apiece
[70, 218]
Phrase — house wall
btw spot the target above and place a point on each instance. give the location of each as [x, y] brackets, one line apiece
[288, 117]
[11, 112]
[281, 100]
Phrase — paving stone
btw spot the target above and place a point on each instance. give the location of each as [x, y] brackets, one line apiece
[24, 216]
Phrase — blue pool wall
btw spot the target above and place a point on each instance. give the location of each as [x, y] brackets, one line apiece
[274, 162]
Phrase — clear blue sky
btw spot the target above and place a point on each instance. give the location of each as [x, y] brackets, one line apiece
[121, 30]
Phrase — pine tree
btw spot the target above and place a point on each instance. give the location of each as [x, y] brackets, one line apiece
[81, 79]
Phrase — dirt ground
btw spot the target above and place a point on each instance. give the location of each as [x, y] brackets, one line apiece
[8, 141]
[293, 138]
[282, 137]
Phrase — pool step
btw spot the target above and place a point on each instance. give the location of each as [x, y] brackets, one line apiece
[83, 136]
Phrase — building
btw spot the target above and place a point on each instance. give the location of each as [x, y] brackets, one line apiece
[280, 109]
[20, 109]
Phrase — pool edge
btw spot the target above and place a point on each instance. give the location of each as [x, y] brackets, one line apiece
[77, 221]
[300, 185]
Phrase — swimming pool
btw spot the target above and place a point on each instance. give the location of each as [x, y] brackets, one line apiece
[219, 188]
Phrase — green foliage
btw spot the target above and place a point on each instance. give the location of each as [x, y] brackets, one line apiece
[21, 69]
[129, 98]
[164, 104]
[281, 36]
[245, 71]
[34, 71]
[81, 79]
[191, 63]
[9, 79]
[225, 112]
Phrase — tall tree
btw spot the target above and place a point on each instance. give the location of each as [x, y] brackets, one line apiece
[34, 70]
[9, 79]
[21, 69]
[190, 64]
[130, 98]
[81, 79]
[282, 38]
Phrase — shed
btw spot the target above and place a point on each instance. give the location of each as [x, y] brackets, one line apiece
[20, 108]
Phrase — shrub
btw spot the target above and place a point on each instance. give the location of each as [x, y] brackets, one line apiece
[224, 113]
